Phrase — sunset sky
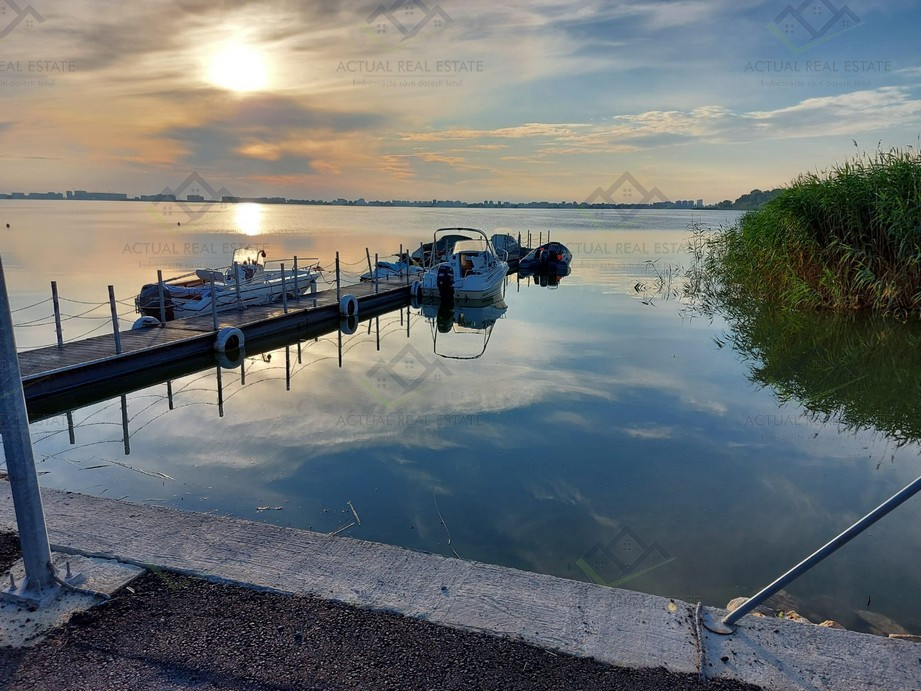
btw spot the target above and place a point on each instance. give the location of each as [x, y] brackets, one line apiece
[503, 100]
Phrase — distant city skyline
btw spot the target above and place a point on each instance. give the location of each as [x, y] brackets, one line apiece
[84, 195]
[517, 101]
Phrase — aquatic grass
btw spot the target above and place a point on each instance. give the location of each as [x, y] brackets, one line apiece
[843, 240]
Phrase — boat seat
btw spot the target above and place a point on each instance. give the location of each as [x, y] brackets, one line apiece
[206, 274]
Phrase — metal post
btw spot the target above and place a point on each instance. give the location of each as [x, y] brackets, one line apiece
[297, 293]
[57, 314]
[163, 297]
[39, 583]
[70, 428]
[125, 436]
[287, 368]
[236, 278]
[529, 239]
[406, 263]
[541, 239]
[243, 372]
[169, 394]
[377, 329]
[422, 254]
[827, 550]
[376, 278]
[368, 255]
[338, 285]
[214, 323]
[284, 290]
[118, 336]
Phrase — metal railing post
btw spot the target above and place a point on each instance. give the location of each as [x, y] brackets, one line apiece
[284, 290]
[213, 304]
[826, 550]
[118, 336]
[368, 255]
[297, 293]
[57, 314]
[39, 583]
[376, 278]
[338, 280]
[162, 297]
[236, 277]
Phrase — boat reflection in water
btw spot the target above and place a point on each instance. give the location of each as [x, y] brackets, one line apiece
[546, 279]
[462, 332]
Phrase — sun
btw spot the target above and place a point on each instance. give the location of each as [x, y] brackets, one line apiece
[239, 68]
[249, 218]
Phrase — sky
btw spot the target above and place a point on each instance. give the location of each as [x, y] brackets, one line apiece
[470, 100]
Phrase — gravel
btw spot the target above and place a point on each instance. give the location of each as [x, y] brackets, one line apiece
[172, 632]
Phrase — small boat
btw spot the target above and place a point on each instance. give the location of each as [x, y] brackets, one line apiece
[474, 270]
[441, 248]
[551, 257]
[245, 282]
[400, 269]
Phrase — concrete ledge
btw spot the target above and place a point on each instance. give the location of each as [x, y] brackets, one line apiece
[619, 627]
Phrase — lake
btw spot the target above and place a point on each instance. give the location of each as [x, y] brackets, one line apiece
[608, 431]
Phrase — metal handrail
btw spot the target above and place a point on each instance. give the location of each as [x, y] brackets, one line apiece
[725, 626]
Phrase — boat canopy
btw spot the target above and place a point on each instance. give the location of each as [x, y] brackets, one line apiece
[248, 255]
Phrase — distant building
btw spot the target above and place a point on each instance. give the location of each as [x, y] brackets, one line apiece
[700, 203]
[158, 197]
[83, 195]
[194, 198]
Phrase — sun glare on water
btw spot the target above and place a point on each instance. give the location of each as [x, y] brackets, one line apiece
[239, 68]
[249, 218]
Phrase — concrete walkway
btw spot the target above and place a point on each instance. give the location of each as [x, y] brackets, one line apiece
[619, 627]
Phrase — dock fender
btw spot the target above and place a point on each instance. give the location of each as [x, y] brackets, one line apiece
[415, 289]
[348, 306]
[228, 338]
[230, 359]
[348, 325]
[145, 323]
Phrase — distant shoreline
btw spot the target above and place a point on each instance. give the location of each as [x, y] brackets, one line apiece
[436, 204]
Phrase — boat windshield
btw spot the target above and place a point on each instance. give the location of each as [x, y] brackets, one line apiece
[470, 246]
[248, 255]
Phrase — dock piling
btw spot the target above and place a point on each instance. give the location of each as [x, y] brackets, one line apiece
[284, 291]
[236, 278]
[126, 437]
[39, 585]
[297, 293]
[57, 314]
[162, 297]
[376, 277]
[370, 268]
[213, 304]
[114, 307]
[338, 280]
[70, 428]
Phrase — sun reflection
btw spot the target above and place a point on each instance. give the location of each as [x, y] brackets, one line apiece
[249, 218]
[239, 68]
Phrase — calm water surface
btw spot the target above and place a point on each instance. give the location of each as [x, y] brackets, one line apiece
[607, 432]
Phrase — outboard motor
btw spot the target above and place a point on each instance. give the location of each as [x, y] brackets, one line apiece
[444, 279]
[148, 302]
[544, 257]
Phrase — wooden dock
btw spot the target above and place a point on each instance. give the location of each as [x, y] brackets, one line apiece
[154, 353]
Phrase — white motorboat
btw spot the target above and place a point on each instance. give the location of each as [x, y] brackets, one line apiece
[386, 270]
[245, 282]
[474, 269]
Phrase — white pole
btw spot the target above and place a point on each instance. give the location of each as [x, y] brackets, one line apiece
[39, 583]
